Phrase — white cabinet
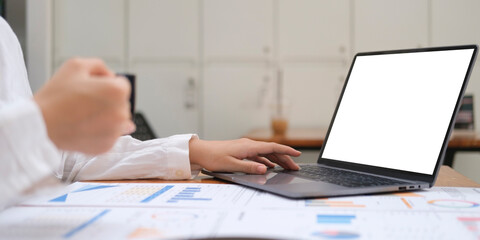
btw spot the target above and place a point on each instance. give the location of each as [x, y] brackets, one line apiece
[207, 66]
[390, 24]
[312, 91]
[313, 52]
[456, 23]
[163, 51]
[313, 30]
[89, 28]
[167, 95]
[233, 100]
[163, 30]
[237, 51]
[237, 29]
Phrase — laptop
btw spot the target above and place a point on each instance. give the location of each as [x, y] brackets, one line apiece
[390, 128]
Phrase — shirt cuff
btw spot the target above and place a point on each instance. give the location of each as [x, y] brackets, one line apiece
[179, 157]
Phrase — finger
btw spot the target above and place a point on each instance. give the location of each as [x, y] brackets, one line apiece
[270, 147]
[115, 88]
[263, 160]
[114, 120]
[276, 159]
[128, 125]
[124, 85]
[284, 161]
[89, 66]
[97, 67]
[273, 158]
[232, 164]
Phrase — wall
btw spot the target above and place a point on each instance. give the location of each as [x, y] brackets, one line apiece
[229, 59]
[39, 42]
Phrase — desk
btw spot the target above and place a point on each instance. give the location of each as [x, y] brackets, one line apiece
[447, 178]
[461, 140]
[312, 138]
[165, 210]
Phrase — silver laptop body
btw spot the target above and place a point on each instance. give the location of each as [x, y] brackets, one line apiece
[392, 123]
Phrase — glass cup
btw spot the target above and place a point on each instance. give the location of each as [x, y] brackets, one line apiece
[279, 118]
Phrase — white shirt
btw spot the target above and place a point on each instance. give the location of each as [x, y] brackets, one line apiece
[28, 157]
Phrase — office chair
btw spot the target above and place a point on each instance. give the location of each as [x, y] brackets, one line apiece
[143, 131]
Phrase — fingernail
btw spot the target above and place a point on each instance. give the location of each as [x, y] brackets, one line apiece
[261, 169]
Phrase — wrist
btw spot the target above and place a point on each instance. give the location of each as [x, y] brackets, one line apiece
[194, 148]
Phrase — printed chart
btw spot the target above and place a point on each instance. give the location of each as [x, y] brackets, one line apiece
[182, 210]
[112, 223]
[147, 195]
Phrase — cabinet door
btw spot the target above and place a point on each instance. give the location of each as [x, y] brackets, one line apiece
[163, 30]
[455, 23]
[166, 95]
[312, 91]
[237, 29]
[390, 24]
[163, 52]
[89, 28]
[234, 100]
[313, 29]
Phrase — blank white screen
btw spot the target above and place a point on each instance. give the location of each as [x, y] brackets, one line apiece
[396, 109]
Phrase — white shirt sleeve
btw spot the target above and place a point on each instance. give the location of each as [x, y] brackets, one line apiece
[165, 158]
[28, 156]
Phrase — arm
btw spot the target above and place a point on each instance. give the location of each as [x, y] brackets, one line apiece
[82, 108]
[165, 158]
[28, 156]
[78, 109]
[175, 157]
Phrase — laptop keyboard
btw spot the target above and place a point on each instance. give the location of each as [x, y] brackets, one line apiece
[341, 177]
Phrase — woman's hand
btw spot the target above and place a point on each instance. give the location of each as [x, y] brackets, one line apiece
[228, 156]
[85, 106]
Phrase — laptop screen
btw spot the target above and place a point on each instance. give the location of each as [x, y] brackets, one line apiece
[396, 109]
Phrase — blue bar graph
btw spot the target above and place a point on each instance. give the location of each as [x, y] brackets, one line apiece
[188, 194]
[335, 219]
[156, 194]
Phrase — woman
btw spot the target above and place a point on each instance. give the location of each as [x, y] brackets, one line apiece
[75, 124]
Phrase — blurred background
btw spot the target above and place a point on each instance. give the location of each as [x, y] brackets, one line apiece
[210, 66]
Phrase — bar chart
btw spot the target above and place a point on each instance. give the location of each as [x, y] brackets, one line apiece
[188, 194]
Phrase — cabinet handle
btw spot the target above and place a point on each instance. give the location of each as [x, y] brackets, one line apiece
[266, 50]
[190, 93]
[343, 52]
[263, 91]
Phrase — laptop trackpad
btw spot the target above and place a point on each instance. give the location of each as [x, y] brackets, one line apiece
[271, 178]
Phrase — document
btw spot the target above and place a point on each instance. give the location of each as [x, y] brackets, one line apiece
[147, 195]
[108, 223]
[189, 210]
